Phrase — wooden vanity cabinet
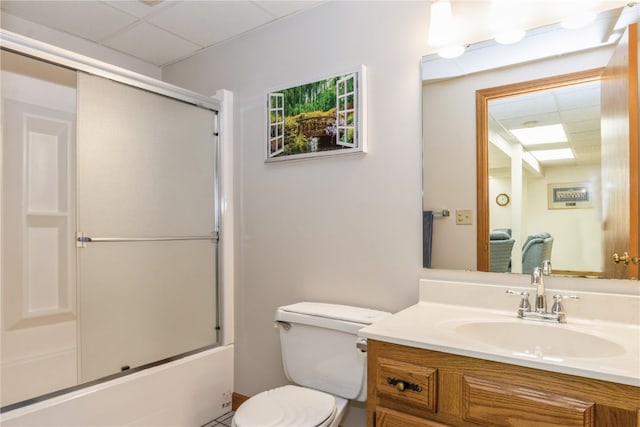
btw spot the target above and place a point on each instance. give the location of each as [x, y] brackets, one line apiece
[412, 387]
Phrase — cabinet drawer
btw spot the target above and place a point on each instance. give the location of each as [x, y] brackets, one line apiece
[407, 383]
[389, 418]
[495, 403]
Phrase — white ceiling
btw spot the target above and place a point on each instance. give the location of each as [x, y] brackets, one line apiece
[161, 32]
[577, 108]
[158, 32]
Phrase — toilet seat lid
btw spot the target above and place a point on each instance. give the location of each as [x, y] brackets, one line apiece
[289, 405]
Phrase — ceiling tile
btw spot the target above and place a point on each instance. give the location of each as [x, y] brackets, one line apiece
[579, 99]
[209, 22]
[88, 19]
[585, 125]
[519, 106]
[141, 9]
[585, 113]
[152, 44]
[283, 8]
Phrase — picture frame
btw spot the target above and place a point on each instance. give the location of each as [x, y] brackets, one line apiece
[317, 118]
[575, 195]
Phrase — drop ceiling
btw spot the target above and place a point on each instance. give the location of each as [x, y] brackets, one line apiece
[576, 107]
[159, 32]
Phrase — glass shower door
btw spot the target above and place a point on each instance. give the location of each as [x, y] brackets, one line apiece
[146, 227]
[37, 212]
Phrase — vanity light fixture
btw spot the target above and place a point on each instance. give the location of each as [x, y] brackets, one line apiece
[510, 36]
[556, 154]
[452, 51]
[537, 135]
[505, 19]
[442, 30]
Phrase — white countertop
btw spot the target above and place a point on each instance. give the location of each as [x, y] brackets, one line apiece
[432, 326]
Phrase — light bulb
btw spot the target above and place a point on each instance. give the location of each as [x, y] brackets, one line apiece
[441, 23]
[510, 36]
[451, 51]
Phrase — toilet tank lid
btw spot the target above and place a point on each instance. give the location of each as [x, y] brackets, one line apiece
[330, 313]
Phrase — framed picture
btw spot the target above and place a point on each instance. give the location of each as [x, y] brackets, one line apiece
[569, 196]
[318, 118]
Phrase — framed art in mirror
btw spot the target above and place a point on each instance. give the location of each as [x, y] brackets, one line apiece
[569, 196]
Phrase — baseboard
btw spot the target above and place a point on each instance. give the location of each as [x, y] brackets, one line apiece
[237, 399]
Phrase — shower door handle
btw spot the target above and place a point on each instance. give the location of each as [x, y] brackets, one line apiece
[82, 240]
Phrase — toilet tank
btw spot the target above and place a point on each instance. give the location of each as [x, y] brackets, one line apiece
[319, 350]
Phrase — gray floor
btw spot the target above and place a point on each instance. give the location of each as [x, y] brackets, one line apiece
[223, 421]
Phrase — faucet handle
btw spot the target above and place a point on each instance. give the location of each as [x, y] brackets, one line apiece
[557, 307]
[525, 305]
[546, 267]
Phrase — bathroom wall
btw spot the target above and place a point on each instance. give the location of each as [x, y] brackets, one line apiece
[569, 252]
[340, 229]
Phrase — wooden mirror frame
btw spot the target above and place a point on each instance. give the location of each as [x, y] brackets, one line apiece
[483, 97]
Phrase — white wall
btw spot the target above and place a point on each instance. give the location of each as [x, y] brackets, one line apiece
[499, 216]
[342, 229]
[449, 135]
[569, 251]
[578, 243]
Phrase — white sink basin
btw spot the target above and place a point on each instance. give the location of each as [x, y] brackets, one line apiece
[479, 320]
[539, 340]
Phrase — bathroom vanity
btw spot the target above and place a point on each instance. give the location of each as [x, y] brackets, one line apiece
[471, 361]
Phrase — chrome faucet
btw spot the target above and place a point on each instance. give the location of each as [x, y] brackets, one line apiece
[539, 312]
[537, 279]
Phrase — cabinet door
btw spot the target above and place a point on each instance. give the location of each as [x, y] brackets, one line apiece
[390, 418]
[496, 403]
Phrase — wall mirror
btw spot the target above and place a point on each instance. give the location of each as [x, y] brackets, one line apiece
[101, 277]
[520, 197]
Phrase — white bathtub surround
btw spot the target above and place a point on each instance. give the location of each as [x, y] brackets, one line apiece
[446, 308]
[187, 392]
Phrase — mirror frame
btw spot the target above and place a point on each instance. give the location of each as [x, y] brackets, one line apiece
[483, 96]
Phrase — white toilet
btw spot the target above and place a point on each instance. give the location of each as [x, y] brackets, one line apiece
[321, 354]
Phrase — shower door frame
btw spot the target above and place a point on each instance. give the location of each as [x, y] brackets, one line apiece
[223, 191]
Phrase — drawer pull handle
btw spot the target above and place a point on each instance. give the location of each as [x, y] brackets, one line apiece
[403, 385]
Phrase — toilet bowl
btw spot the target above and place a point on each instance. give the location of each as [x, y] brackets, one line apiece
[321, 357]
[291, 405]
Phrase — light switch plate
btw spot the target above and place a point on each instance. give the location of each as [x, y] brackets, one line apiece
[464, 216]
